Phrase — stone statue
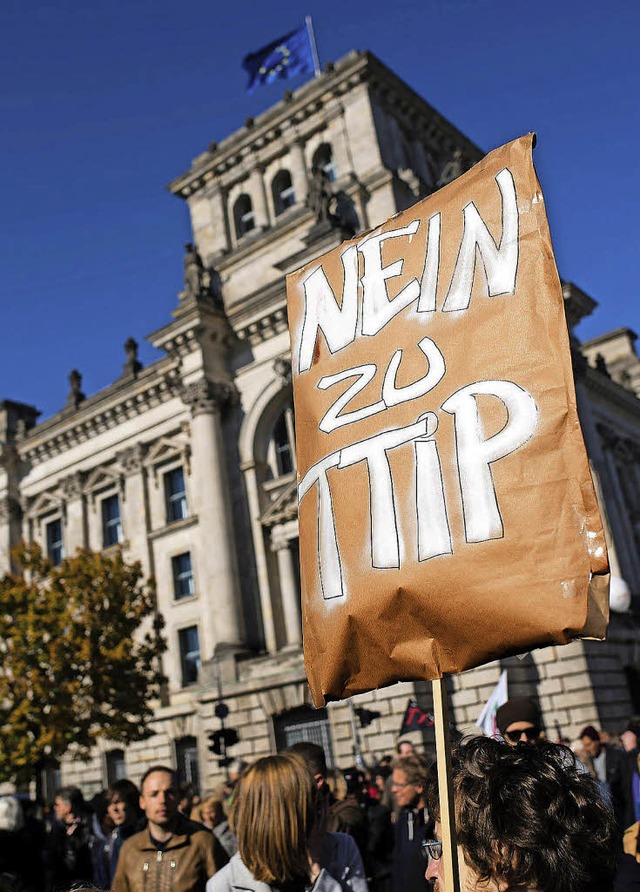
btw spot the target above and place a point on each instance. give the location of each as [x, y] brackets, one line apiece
[133, 365]
[76, 396]
[194, 272]
[320, 195]
[452, 169]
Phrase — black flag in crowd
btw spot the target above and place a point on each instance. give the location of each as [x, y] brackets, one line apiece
[415, 718]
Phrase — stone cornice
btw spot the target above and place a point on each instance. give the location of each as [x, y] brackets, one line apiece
[206, 396]
[101, 412]
[192, 324]
[271, 126]
[264, 327]
[295, 117]
[613, 392]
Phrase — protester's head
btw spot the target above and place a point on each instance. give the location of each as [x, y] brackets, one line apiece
[159, 795]
[405, 748]
[209, 812]
[11, 814]
[354, 779]
[314, 758]
[272, 817]
[68, 804]
[380, 775]
[237, 769]
[185, 798]
[526, 819]
[408, 778]
[337, 784]
[590, 739]
[122, 799]
[518, 720]
[630, 737]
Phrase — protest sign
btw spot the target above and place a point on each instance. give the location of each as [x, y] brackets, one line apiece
[446, 511]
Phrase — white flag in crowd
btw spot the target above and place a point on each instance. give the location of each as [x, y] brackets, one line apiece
[487, 718]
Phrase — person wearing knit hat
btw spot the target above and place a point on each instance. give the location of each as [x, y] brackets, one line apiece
[518, 720]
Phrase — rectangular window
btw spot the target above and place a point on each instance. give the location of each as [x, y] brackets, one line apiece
[116, 768]
[55, 549]
[183, 583]
[189, 654]
[175, 495]
[187, 762]
[111, 524]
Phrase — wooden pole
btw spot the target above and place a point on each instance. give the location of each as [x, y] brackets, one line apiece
[445, 785]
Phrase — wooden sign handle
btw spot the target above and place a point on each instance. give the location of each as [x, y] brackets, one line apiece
[445, 785]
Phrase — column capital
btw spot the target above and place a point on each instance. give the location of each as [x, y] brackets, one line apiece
[73, 485]
[206, 396]
[279, 540]
[130, 460]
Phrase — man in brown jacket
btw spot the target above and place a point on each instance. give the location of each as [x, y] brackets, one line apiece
[172, 854]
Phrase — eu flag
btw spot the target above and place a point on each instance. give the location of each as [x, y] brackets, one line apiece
[283, 58]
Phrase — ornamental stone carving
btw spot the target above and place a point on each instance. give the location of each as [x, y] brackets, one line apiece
[282, 368]
[72, 486]
[130, 460]
[208, 396]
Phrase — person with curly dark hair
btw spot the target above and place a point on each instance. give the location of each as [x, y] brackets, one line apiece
[527, 819]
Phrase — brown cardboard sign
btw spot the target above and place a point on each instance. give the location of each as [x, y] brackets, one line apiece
[446, 510]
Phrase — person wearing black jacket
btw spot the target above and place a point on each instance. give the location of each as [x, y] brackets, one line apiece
[70, 841]
[413, 826]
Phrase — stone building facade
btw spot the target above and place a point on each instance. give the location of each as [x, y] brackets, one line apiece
[189, 465]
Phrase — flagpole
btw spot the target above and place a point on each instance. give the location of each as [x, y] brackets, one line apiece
[314, 46]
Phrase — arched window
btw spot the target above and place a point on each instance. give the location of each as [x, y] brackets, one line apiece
[282, 191]
[283, 443]
[323, 158]
[243, 215]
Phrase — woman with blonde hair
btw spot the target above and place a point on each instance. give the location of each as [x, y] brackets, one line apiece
[272, 816]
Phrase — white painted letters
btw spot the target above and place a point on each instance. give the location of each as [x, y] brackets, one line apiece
[500, 261]
[322, 313]
[482, 519]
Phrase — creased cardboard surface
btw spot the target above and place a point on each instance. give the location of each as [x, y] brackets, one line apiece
[446, 511]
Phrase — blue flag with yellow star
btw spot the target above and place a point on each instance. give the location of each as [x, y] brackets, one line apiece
[283, 58]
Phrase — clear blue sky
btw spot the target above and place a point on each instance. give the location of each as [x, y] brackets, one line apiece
[103, 103]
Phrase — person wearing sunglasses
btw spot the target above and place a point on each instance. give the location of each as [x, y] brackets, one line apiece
[413, 823]
[519, 720]
[526, 819]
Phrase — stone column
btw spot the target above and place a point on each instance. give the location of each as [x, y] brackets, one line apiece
[135, 506]
[260, 208]
[10, 518]
[253, 496]
[75, 528]
[288, 588]
[605, 485]
[618, 511]
[298, 172]
[219, 217]
[217, 570]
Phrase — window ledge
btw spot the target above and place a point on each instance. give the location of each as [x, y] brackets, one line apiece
[173, 527]
[186, 599]
[112, 550]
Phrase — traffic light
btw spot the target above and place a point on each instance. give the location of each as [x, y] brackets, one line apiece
[366, 716]
[221, 710]
[221, 740]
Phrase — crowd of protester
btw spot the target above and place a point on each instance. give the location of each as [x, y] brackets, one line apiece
[288, 823]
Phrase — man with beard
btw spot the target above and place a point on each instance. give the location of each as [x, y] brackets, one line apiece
[172, 852]
[527, 819]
